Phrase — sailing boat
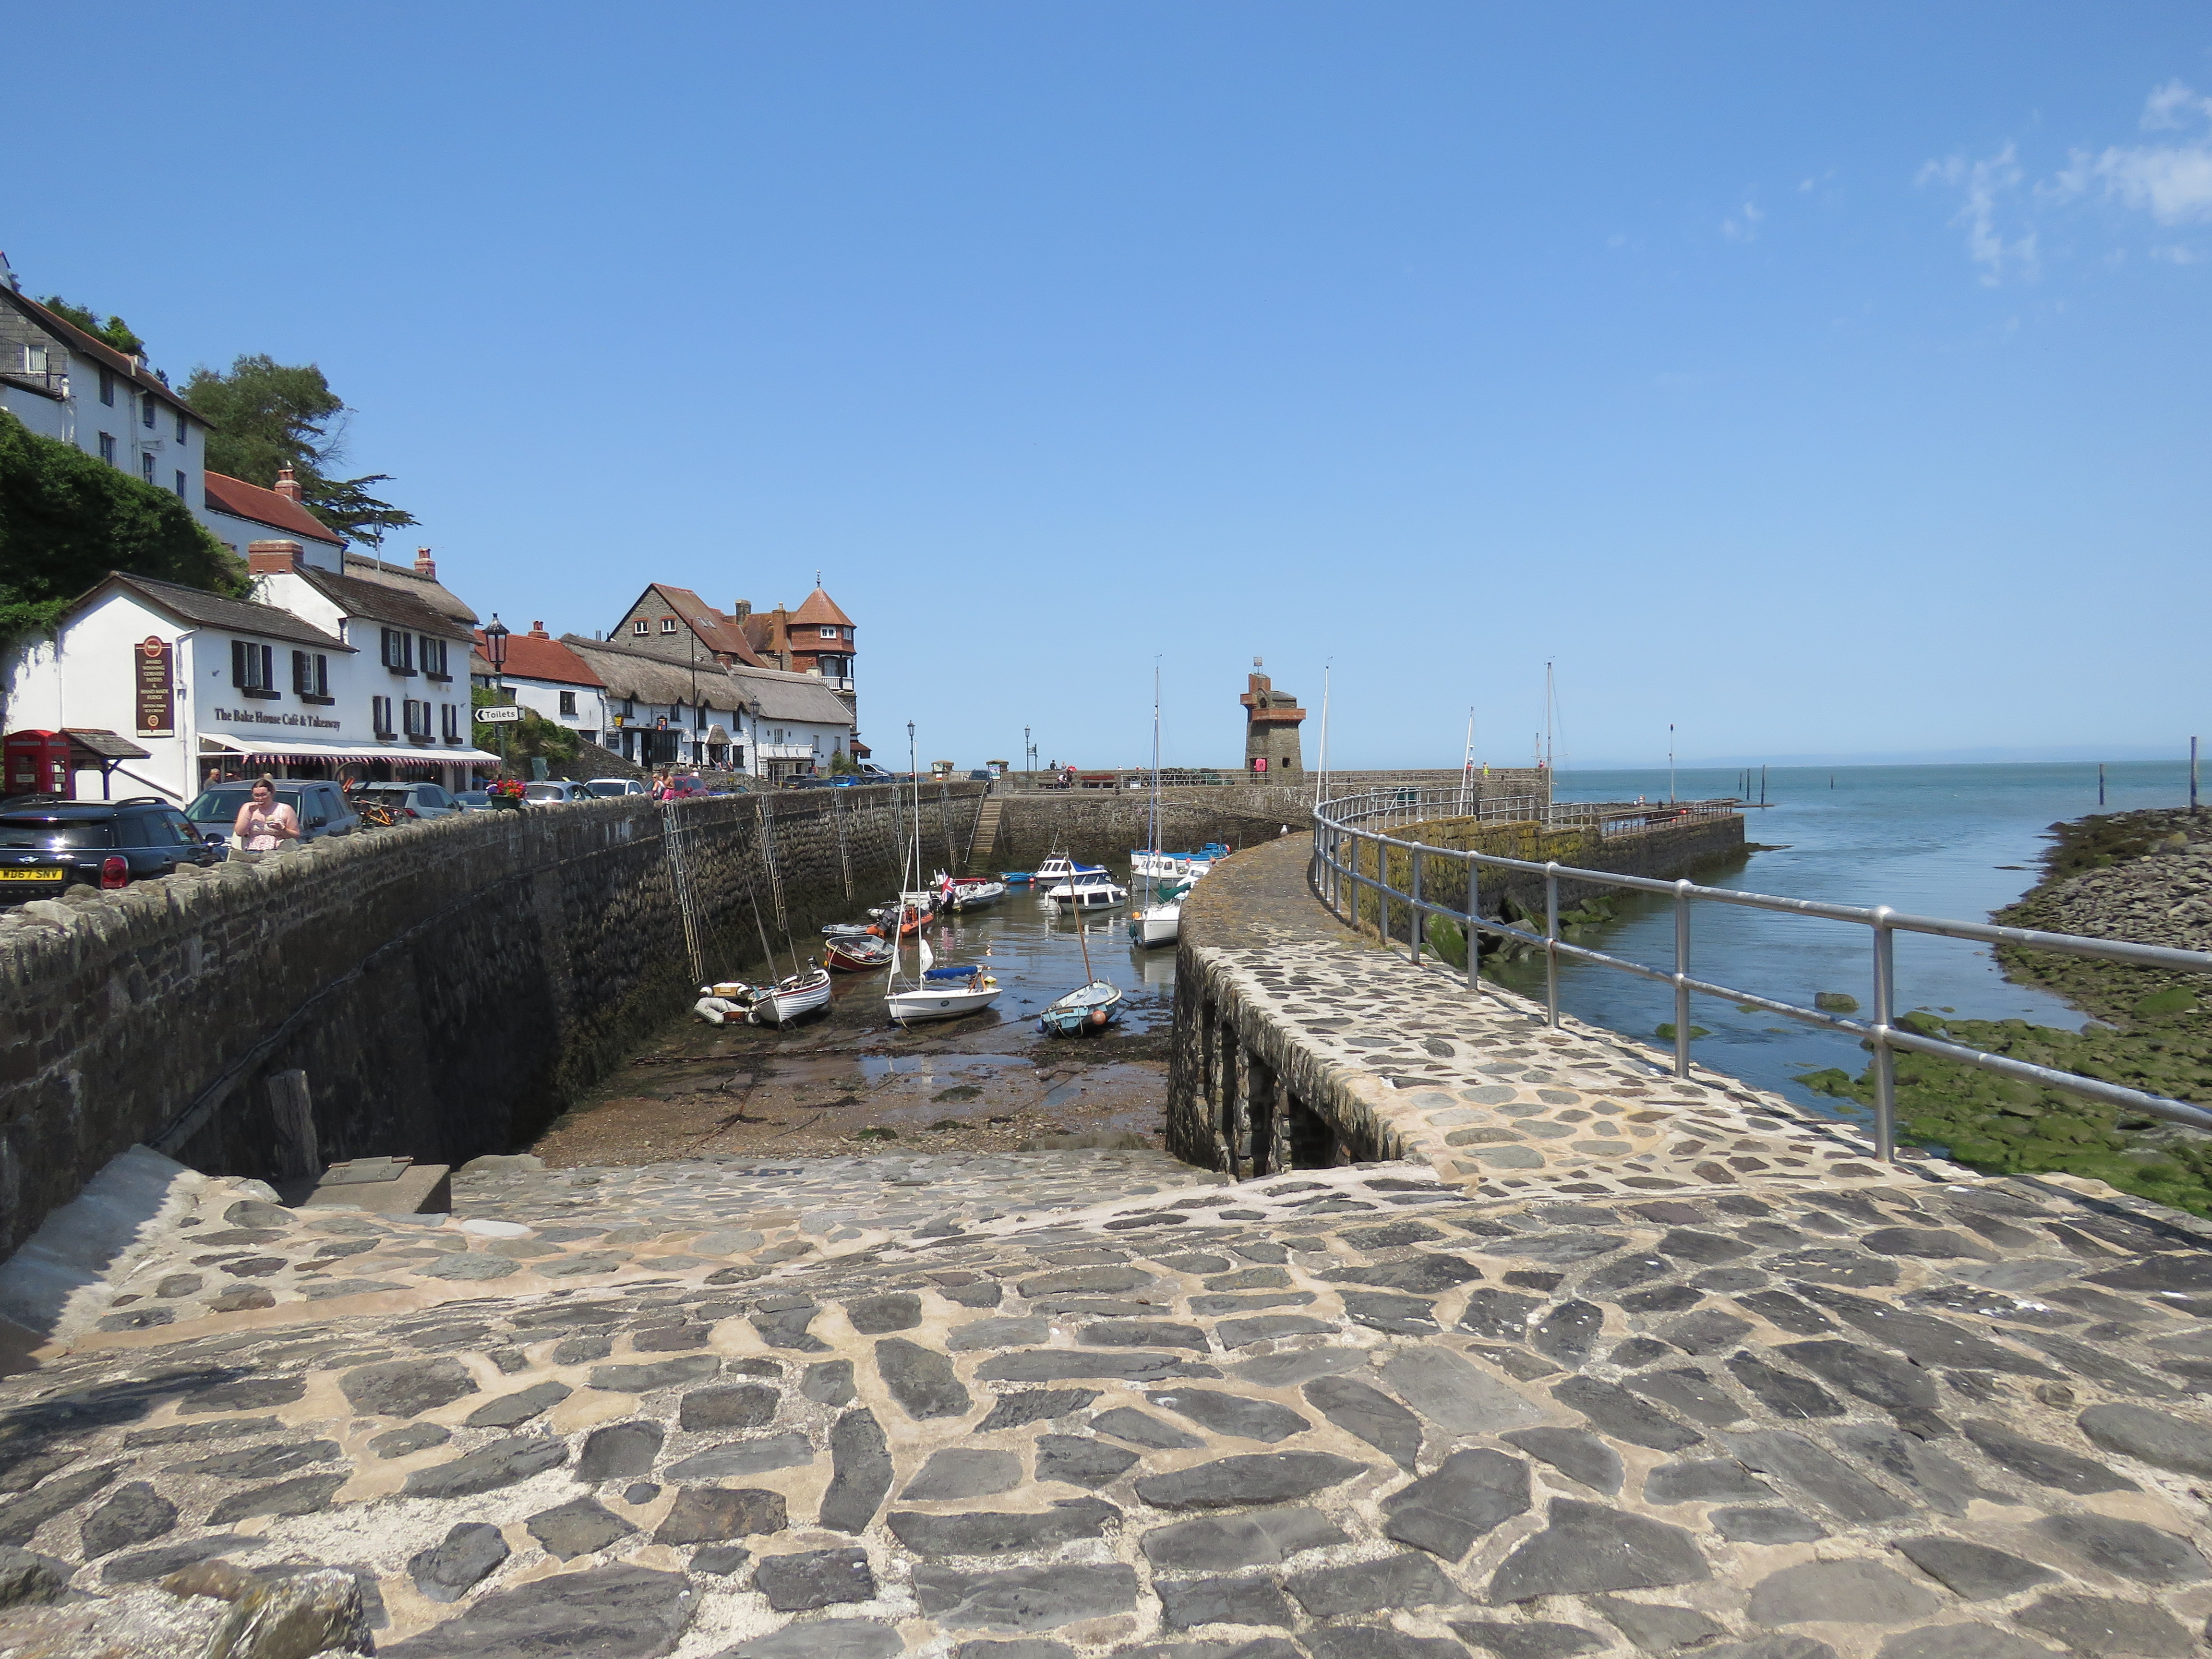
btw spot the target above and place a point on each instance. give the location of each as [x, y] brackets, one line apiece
[931, 992]
[1160, 922]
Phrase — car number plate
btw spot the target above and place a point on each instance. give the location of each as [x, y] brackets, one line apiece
[31, 875]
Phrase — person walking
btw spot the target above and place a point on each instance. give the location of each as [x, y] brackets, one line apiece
[265, 824]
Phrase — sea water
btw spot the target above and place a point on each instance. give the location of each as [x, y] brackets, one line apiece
[1951, 841]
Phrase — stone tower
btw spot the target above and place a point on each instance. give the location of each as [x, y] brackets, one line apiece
[1271, 727]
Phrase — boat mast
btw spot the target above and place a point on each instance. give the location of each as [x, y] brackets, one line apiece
[1551, 699]
[1320, 774]
[899, 902]
[1467, 767]
[1156, 781]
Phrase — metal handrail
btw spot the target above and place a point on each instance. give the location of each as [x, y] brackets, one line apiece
[1337, 831]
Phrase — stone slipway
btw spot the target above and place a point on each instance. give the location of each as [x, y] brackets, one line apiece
[1072, 1406]
[1405, 1062]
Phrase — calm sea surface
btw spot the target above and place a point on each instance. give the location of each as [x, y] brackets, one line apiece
[1942, 840]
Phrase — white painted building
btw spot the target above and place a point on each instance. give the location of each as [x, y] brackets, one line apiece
[214, 688]
[545, 675]
[241, 514]
[64, 384]
[760, 721]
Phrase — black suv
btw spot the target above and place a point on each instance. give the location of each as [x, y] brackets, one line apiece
[46, 844]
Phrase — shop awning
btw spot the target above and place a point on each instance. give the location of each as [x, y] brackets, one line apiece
[213, 742]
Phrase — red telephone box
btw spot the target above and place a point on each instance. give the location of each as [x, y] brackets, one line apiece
[38, 763]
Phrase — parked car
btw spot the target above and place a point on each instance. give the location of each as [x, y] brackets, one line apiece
[556, 792]
[609, 788]
[407, 801]
[980, 775]
[686, 787]
[475, 800]
[869, 772]
[321, 808]
[46, 846]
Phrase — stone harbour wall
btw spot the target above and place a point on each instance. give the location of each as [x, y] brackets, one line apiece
[1097, 824]
[448, 987]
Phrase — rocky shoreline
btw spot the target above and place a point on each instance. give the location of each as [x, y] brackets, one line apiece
[2143, 876]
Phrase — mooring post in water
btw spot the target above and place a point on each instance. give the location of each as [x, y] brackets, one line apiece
[299, 1155]
[2100, 783]
[1884, 1059]
[2192, 775]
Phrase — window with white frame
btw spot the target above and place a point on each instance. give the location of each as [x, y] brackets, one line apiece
[400, 650]
[417, 713]
[311, 674]
[150, 410]
[107, 448]
[433, 657]
[829, 633]
[379, 716]
[569, 703]
[146, 466]
[668, 625]
[452, 723]
[641, 626]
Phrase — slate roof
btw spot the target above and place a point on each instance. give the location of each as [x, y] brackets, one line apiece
[374, 600]
[197, 605]
[271, 508]
[87, 345]
[715, 631]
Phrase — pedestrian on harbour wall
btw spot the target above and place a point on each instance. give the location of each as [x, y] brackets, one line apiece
[265, 824]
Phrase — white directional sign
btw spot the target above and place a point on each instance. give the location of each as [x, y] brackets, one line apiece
[499, 713]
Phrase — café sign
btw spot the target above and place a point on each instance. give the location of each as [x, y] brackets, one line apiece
[153, 668]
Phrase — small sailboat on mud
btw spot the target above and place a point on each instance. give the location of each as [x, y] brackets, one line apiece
[931, 993]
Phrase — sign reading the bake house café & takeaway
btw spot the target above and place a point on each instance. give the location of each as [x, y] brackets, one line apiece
[153, 661]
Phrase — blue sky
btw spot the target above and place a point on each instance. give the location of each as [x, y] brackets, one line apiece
[1824, 379]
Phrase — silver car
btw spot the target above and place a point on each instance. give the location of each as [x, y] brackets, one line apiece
[553, 792]
[610, 788]
[409, 801]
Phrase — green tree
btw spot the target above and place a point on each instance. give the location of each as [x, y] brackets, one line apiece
[112, 330]
[67, 520]
[268, 415]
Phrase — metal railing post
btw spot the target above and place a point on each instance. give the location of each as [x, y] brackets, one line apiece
[1551, 946]
[1413, 920]
[1682, 978]
[1885, 1057]
[1473, 950]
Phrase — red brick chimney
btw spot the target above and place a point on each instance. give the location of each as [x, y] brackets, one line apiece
[537, 631]
[287, 485]
[273, 558]
[425, 566]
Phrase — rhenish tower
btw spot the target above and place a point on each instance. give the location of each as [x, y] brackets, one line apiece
[1270, 726]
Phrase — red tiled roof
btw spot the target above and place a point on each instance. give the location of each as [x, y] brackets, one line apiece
[819, 609]
[280, 513]
[529, 657]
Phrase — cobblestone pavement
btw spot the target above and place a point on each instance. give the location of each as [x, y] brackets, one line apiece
[1351, 1415]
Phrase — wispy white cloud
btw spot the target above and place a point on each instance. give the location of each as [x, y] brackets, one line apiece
[1742, 226]
[1984, 186]
[2169, 179]
[2172, 182]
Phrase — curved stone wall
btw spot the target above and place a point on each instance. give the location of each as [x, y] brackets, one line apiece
[449, 988]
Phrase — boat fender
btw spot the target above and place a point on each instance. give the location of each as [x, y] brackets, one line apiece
[1099, 1017]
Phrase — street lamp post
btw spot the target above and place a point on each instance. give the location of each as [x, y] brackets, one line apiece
[494, 634]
